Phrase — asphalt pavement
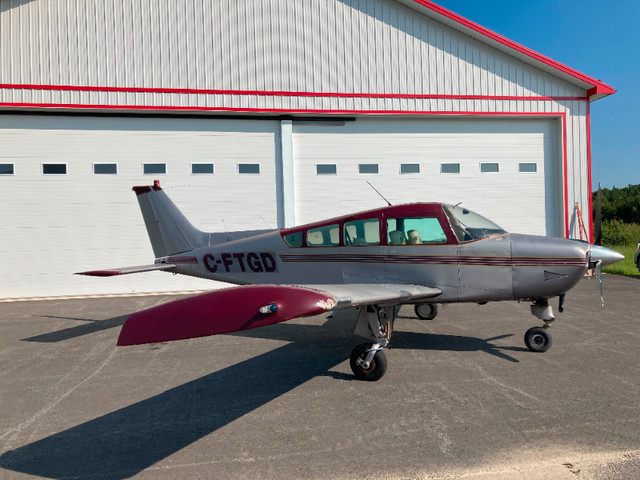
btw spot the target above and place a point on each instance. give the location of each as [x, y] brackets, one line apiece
[462, 397]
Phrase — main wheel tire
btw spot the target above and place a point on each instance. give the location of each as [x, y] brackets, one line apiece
[426, 311]
[378, 365]
[537, 339]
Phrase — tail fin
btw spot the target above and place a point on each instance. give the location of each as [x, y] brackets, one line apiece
[169, 230]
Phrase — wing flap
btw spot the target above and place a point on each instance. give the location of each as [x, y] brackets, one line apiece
[222, 311]
[376, 294]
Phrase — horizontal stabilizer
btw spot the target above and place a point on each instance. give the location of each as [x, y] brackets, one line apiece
[127, 270]
[222, 311]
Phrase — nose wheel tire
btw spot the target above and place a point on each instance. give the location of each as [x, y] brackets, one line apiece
[426, 311]
[377, 366]
[537, 339]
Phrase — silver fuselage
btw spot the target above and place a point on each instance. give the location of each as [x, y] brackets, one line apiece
[502, 267]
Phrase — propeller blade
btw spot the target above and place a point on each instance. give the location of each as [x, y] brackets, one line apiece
[602, 256]
[599, 275]
[597, 224]
[561, 300]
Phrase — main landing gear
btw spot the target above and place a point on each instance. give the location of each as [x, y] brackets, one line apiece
[368, 361]
[426, 311]
[538, 339]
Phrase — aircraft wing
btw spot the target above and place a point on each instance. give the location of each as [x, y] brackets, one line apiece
[251, 306]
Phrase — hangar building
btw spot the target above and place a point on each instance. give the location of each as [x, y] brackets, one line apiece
[256, 114]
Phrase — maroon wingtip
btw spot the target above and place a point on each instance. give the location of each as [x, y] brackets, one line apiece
[221, 311]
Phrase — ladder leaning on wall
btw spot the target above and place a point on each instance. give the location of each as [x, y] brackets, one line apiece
[581, 227]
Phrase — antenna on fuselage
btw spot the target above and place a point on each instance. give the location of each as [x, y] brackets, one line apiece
[382, 196]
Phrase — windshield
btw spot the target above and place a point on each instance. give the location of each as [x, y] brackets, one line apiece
[469, 226]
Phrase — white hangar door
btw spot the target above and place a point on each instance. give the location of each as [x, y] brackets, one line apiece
[505, 169]
[67, 204]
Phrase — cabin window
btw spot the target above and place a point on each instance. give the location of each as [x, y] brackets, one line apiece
[489, 167]
[415, 231]
[368, 168]
[449, 168]
[105, 169]
[528, 167]
[202, 169]
[293, 239]
[154, 168]
[54, 168]
[326, 169]
[249, 168]
[407, 168]
[362, 232]
[325, 236]
[6, 169]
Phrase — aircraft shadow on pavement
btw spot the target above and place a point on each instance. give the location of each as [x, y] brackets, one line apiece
[127, 441]
[92, 326]
[339, 328]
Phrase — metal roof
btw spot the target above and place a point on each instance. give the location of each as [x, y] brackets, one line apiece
[595, 88]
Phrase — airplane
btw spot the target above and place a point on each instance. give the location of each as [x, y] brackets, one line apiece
[420, 254]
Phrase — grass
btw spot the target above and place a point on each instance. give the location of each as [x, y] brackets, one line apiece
[624, 267]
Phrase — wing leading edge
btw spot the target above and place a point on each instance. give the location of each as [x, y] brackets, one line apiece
[242, 308]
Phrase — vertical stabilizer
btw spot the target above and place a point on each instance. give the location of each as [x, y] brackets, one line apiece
[169, 230]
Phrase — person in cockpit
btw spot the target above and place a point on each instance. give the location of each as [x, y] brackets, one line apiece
[414, 237]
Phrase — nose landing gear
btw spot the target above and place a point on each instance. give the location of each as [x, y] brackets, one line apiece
[538, 339]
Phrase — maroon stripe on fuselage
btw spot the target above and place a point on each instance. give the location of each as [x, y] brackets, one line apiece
[437, 260]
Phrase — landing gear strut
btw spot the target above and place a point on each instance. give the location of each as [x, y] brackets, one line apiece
[368, 361]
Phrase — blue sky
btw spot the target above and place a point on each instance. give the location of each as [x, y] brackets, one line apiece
[599, 39]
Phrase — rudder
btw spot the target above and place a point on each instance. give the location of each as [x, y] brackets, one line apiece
[169, 230]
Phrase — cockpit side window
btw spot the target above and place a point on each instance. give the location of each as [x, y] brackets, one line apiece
[362, 232]
[415, 231]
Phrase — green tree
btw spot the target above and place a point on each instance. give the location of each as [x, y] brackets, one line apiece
[622, 204]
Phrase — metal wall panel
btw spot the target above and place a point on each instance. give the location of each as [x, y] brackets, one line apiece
[363, 46]
[520, 202]
[53, 226]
